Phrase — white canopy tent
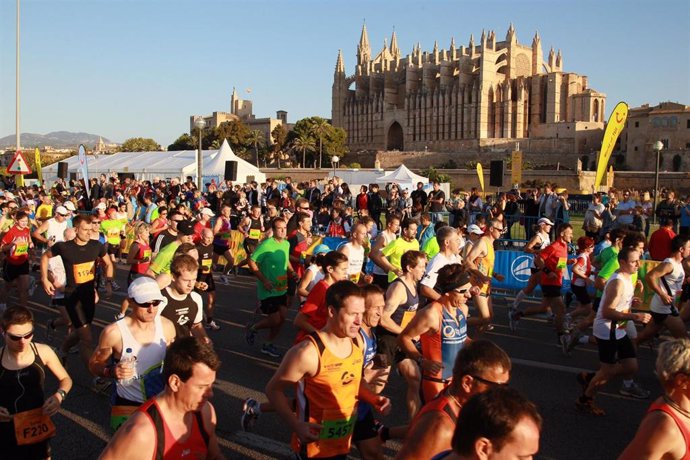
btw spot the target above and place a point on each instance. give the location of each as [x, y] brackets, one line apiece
[215, 168]
[402, 176]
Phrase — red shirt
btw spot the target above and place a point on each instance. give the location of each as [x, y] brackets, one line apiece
[555, 257]
[315, 309]
[21, 240]
[198, 228]
[660, 243]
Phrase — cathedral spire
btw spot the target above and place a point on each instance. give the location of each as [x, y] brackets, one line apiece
[340, 64]
[510, 35]
[363, 49]
[395, 51]
[536, 39]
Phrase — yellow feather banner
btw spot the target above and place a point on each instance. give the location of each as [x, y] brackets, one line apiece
[614, 127]
[480, 173]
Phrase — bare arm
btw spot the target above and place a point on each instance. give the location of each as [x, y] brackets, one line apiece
[304, 283]
[394, 297]
[132, 440]
[652, 279]
[613, 293]
[208, 414]
[657, 438]
[431, 435]
[38, 233]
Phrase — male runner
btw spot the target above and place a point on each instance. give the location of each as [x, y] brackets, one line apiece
[478, 367]
[449, 244]
[180, 422]
[144, 335]
[354, 251]
[205, 282]
[326, 370]
[79, 257]
[384, 238]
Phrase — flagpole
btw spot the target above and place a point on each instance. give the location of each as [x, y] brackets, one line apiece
[16, 115]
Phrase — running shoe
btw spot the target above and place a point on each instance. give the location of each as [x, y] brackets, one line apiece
[50, 330]
[115, 286]
[270, 350]
[224, 279]
[587, 406]
[634, 391]
[212, 326]
[249, 333]
[573, 340]
[250, 414]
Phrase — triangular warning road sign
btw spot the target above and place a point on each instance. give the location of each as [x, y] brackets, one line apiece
[18, 165]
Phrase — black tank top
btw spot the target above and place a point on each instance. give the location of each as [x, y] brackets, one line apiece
[410, 305]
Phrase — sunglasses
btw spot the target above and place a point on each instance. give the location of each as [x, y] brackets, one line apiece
[17, 338]
[461, 291]
[153, 303]
[490, 383]
[93, 222]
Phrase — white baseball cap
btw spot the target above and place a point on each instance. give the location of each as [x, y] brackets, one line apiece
[70, 206]
[474, 228]
[544, 220]
[62, 211]
[100, 205]
[144, 290]
[207, 212]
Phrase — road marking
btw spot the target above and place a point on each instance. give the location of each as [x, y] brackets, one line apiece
[262, 443]
[548, 366]
[86, 424]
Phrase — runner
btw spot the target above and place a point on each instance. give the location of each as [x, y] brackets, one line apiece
[442, 331]
[617, 354]
[326, 370]
[449, 244]
[23, 366]
[497, 424]
[252, 227]
[313, 314]
[383, 239]
[57, 276]
[143, 335]
[391, 255]
[139, 255]
[16, 244]
[477, 368]
[666, 280]
[79, 257]
[539, 241]
[204, 279]
[161, 262]
[582, 269]
[402, 301]
[480, 260]
[300, 240]
[170, 234]
[665, 429]
[52, 230]
[270, 266]
[182, 305]
[180, 421]
[113, 229]
[221, 240]
[313, 273]
[354, 251]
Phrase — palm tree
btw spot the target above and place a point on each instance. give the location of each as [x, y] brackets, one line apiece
[255, 137]
[303, 144]
[319, 128]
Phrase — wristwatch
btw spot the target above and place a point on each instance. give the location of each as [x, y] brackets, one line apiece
[62, 393]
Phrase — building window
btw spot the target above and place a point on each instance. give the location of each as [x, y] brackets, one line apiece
[637, 124]
[666, 143]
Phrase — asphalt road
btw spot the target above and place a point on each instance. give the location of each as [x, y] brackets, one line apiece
[539, 370]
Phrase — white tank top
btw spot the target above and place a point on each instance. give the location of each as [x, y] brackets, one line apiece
[56, 230]
[148, 357]
[318, 276]
[674, 280]
[355, 260]
[602, 326]
[387, 238]
[545, 241]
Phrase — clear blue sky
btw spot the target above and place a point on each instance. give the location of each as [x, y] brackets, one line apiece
[139, 68]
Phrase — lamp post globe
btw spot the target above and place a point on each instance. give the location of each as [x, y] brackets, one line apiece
[334, 160]
[200, 124]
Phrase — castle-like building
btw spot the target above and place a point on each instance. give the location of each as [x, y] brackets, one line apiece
[465, 98]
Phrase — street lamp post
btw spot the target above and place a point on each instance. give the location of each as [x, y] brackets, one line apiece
[334, 160]
[200, 124]
[658, 145]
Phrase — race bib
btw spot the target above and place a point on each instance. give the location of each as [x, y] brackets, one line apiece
[113, 233]
[335, 427]
[84, 272]
[147, 254]
[21, 249]
[32, 426]
[119, 415]
[206, 265]
[354, 277]
[254, 233]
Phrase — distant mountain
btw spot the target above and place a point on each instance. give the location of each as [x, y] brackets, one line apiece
[57, 139]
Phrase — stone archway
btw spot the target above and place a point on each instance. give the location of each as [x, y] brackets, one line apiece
[394, 140]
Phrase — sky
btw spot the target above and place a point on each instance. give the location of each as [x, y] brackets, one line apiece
[140, 68]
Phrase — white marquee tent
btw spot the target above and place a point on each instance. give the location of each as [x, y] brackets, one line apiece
[403, 177]
[215, 168]
[149, 165]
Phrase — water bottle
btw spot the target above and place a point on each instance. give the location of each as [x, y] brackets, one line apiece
[128, 361]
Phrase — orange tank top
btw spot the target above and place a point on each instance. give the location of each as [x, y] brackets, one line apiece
[329, 398]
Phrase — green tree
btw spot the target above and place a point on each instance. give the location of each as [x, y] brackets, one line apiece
[279, 136]
[184, 142]
[140, 144]
[255, 138]
[303, 144]
[237, 134]
[320, 127]
[330, 140]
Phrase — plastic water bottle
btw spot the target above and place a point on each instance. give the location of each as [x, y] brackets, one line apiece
[128, 361]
